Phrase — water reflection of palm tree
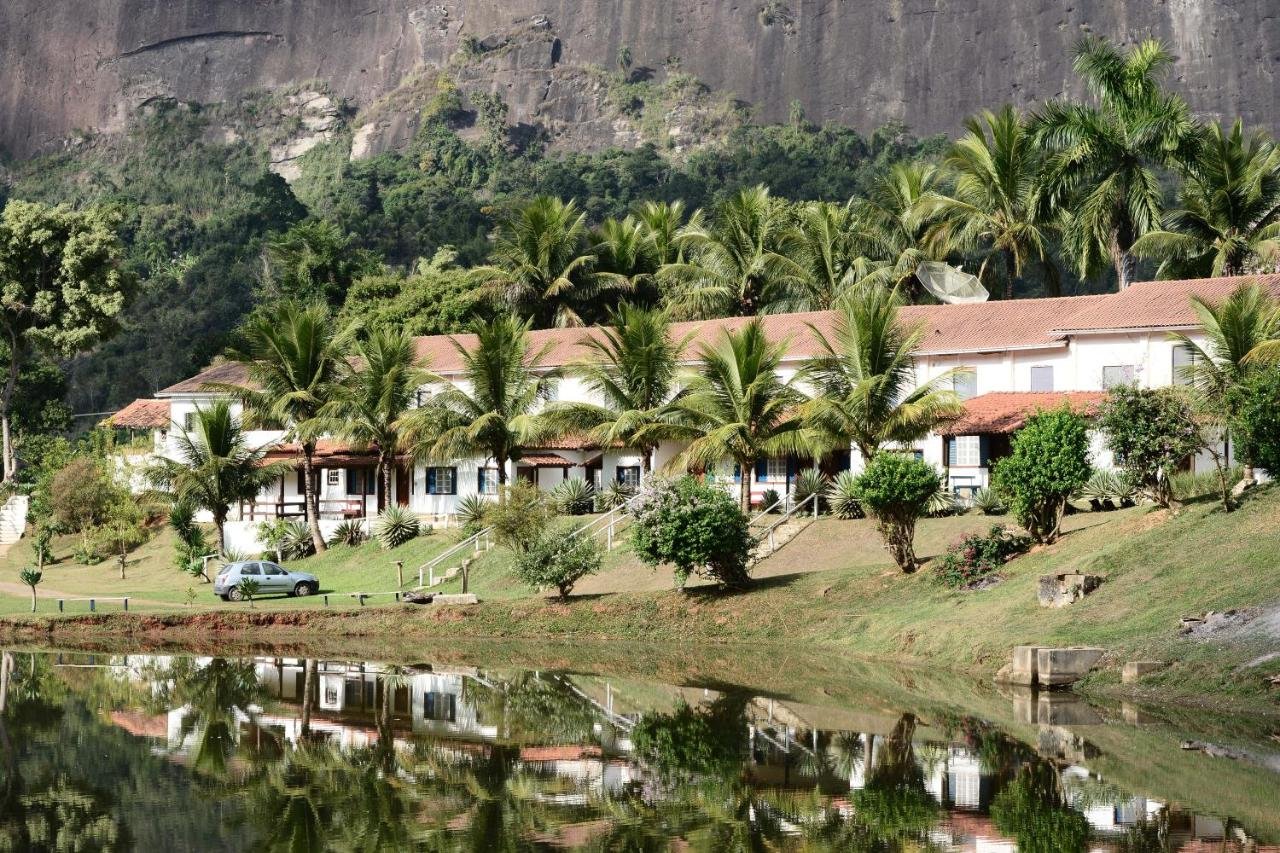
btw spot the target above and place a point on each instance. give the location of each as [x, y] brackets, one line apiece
[214, 696]
[894, 803]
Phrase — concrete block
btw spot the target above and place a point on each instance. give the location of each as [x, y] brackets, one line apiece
[1062, 590]
[456, 598]
[1135, 669]
[1063, 667]
[1065, 709]
[1022, 669]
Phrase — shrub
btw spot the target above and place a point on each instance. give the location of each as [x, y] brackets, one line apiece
[520, 517]
[1107, 490]
[470, 511]
[349, 533]
[769, 500]
[81, 495]
[557, 559]
[1048, 464]
[942, 502]
[573, 497]
[286, 539]
[896, 488]
[694, 741]
[1188, 486]
[1150, 431]
[842, 495]
[810, 482]
[987, 502]
[695, 528]
[1258, 420]
[42, 542]
[614, 495]
[978, 556]
[395, 526]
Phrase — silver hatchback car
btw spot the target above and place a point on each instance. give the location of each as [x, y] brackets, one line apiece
[271, 578]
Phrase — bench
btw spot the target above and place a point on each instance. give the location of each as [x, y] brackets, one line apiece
[361, 596]
[93, 602]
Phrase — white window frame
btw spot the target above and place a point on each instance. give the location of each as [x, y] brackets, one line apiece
[1041, 368]
[776, 469]
[1130, 369]
[487, 480]
[968, 452]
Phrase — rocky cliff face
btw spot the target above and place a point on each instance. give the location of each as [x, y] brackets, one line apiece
[69, 66]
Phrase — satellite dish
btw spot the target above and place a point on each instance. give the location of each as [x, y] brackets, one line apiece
[950, 285]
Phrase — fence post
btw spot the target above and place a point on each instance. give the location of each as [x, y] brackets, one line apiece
[59, 605]
[92, 606]
[400, 571]
[419, 575]
[431, 576]
[326, 601]
[815, 506]
[126, 604]
[361, 597]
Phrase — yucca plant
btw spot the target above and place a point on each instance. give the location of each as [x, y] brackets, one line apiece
[295, 541]
[395, 526]
[769, 498]
[349, 533]
[941, 502]
[987, 501]
[573, 497]
[842, 495]
[809, 482]
[470, 511]
[1108, 490]
[613, 495]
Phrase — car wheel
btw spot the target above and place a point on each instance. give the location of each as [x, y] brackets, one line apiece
[303, 589]
[235, 594]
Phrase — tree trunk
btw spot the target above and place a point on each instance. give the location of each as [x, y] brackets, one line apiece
[308, 692]
[311, 506]
[746, 467]
[33, 599]
[123, 556]
[385, 464]
[1009, 274]
[220, 525]
[6, 403]
[646, 463]
[1122, 259]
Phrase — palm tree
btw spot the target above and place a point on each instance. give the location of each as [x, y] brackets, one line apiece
[216, 467]
[865, 376]
[741, 265]
[662, 222]
[1104, 156]
[996, 203]
[894, 222]
[377, 394]
[830, 248]
[1230, 211]
[632, 371]
[492, 410]
[295, 359]
[541, 265]
[622, 247]
[738, 407]
[1241, 332]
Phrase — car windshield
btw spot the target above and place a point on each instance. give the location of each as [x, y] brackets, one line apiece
[228, 567]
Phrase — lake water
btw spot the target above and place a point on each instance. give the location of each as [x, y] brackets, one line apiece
[148, 752]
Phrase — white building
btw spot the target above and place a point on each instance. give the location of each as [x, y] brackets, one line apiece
[1014, 357]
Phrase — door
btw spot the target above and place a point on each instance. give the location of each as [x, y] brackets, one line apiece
[275, 579]
[403, 476]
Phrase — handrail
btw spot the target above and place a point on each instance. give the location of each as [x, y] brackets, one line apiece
[606, 522]
[782, 501]
[769, 531]
[473, 540]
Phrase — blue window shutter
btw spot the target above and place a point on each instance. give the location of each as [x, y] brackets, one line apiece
[984, 450]
[762, 470]
[431, 481]
[480, 481]
[737, 472]
[951, 450]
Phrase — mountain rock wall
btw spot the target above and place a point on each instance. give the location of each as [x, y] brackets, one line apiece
[71, 66]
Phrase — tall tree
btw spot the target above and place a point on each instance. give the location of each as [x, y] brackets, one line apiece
[996, 205]
[1241, 333]
[662, 222]
[1229, 212]
[631, 372]
[216, 468]
[742, 264]
[1102, 167]
[492, 410]
[295, 359]
[739, 407]
[62, 290]
[830, 247]
[866, 380]
[314, 260]
[894, 221]
[541, 266]
[378, 393]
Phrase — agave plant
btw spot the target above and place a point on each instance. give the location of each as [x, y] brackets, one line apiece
[349, 533]
[769, 500]
[941, 502]
[842, 496]
[395, 526]
[295, 541]
[987, 502]
[1107, 490]
[573, 497]
[470, 511]
[613, 495]
[809, 482]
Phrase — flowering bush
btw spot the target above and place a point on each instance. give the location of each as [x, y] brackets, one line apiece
[695, 528]
[978, 556]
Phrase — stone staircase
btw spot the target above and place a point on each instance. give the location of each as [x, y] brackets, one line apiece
[781, 535]
[13, 519]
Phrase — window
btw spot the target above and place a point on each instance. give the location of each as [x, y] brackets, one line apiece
[442, 481]
[487, 481]
[1042, 378]
[1118, 374]
[776, 468]
[361, 481]
[251, 569]
[1183, 358]
[629, 475]
[442, 707]
[965, 382]
[333, 476]
[966, 451]
[188, 421]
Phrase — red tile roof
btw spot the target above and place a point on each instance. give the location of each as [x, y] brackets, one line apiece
[142, 414]
[226, 373]
[330, 453]
[1001, 413]
[544, 460]
[1159, 304]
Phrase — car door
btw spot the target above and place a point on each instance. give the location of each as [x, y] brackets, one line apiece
[253, 572]
[276, 579]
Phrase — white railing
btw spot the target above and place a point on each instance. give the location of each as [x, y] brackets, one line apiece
[13, 519]
[480, 542]
[770, 532]
[607, 523]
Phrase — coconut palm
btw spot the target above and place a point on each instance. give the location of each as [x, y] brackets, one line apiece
[1241, 333]
[894, 222]
[216, 468]
[622, 247]
[1102, 167]
[865, 377]
[492, 410]
[295, 360]
[741, 264]
[541, 266]
[738, 406]
[1230, 209]
[995, 205]
[830, 247]
[379, 391]
[631, 370]
[662, 222]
